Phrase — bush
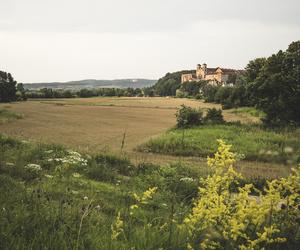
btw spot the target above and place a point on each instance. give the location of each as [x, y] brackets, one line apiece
[119, 164]
[214, 116]
[187, 116]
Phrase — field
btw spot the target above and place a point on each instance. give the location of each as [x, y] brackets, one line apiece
[95, 124]
[101, 124]
[98, 192]
[54, 198]
[252, 142]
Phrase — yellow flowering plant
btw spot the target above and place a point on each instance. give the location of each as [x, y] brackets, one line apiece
[117, 227]
[221, 219]
[142, 199]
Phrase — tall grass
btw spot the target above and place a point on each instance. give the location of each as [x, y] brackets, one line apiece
[249, 110]
[67, 204]
[252, 142]
[55, 198]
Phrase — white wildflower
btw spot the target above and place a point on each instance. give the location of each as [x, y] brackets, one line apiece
[33, 167]
[288, 150]
[76, 175]
[269, 152]
[186, 179]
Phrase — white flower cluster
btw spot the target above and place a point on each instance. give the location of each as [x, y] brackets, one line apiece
[186, 179]
[33, 167]
[72, 158]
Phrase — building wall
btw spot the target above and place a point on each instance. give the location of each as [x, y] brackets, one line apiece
[217, 77]
[200, 73]
[186, 78]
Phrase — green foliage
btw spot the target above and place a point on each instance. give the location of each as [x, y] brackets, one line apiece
[276, 88]
[214, 116]
[85, 93]
[147, 207]
[65, 206]
[167, 85]
[192, 88]
[7, 87]
[209, 92]
[270, 84]
[223, 220]
[187, 116]
[223, 96]
[253, 68]
[249, 110]
[254, 142]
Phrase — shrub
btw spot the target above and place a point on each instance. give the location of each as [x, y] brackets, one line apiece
[101, 172]
[187, 116]
[119, 164]
[214, 116]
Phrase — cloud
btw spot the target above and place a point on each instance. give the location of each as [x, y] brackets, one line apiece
[119, 16]
[61, 40]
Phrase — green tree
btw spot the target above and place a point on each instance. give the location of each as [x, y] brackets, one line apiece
[253, 68]
[167, 85]
[188, 116]
[7, 87]
[192, 88]
[277, 87]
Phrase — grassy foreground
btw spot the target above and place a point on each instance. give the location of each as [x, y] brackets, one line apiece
[55, 198]
[252, 142]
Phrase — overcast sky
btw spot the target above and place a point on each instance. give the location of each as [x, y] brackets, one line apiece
[62, 40]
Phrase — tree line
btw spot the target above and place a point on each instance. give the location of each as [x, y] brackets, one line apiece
[9, 89]
[270, 84]
[85, 93]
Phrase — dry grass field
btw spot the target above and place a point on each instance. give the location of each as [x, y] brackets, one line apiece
[98, 124]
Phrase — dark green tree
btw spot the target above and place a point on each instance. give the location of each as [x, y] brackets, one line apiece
[277, 87]
[7, 87]
[167, 85]
[253, 68]
[192, 88]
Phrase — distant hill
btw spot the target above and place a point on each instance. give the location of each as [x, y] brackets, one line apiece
[92, 83]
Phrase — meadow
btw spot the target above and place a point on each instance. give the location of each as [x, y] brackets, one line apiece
[56, 198]
[119, 125]
[71, 178]
[252, 142]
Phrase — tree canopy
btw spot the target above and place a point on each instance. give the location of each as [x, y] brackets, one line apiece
[7, 87]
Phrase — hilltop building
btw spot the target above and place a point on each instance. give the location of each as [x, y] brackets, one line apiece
[215, 76]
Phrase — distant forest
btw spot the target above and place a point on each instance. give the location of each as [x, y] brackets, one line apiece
[92, 83]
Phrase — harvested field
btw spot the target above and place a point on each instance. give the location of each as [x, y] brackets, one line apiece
[98, 124]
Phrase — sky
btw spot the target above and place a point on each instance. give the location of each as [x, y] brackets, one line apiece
[63, 40]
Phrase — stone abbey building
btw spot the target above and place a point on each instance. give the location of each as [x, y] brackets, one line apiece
[215, 76]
